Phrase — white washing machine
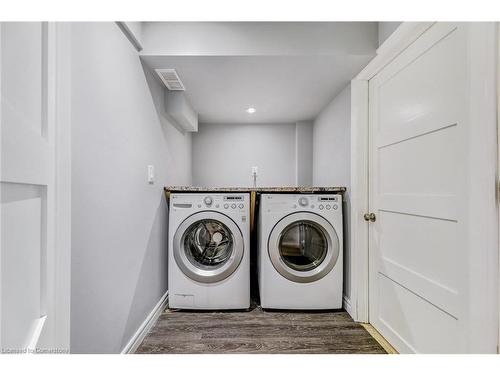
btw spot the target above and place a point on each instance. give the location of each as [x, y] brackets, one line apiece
[209, 251]
[300, 251]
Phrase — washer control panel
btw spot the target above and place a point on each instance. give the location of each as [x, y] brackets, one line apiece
[230, 201]
[303, 201]
[329, 202]
[234, 202]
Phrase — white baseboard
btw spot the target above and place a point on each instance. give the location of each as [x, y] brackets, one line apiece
[144, 328]
[347, 306]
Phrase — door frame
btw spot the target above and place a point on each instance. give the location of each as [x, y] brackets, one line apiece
[483, 145]
[63, 123]
[58, 269]
[498, 173]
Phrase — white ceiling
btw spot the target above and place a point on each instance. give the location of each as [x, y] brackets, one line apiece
[287, 71]
[282, 89]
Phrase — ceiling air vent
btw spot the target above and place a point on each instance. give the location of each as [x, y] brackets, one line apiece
[170, 78]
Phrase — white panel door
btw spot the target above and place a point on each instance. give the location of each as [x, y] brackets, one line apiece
[28, 183]
[418, 173]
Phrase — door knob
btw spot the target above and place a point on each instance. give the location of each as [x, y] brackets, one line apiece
[370, 217]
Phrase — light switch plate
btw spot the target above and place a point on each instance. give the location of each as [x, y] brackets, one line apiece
[151, 174]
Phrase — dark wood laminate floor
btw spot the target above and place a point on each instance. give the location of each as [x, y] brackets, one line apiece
[258, 331]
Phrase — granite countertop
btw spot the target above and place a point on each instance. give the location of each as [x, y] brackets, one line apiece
[271, 189]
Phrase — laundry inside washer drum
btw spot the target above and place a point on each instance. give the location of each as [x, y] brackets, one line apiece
[208, 244]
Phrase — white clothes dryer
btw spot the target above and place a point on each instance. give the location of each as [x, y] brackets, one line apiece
[300, 251]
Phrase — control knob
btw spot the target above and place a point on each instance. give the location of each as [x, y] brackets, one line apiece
[303, 201]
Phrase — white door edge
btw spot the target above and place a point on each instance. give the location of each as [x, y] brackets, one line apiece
[498, 174]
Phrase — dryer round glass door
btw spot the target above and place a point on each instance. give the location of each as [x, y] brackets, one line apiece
[303, 247]
[208, 247]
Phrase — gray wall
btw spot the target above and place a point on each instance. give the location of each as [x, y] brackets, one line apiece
[119, 259]
[331, 142]
[385, 29]
[331, 160]
[223, 154]
[304, 153]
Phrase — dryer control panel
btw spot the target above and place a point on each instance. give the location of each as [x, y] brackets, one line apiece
[309, 202]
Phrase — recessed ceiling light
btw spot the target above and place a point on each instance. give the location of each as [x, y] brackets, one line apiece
[251, 110]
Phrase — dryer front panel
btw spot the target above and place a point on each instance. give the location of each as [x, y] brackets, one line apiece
[208, 247]
[303, 247]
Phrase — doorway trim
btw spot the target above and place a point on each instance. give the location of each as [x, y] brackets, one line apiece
[62, 248]
[402, 37]
[498, 174]
[483, 313]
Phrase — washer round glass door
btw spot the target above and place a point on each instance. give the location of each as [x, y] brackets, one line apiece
[303, 247]
[208, 247]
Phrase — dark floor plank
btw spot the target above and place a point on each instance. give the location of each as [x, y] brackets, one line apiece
[257, 331]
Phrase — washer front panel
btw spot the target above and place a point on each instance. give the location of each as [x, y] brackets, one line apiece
[303, 247]
[208, 246]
